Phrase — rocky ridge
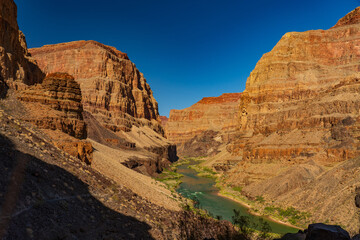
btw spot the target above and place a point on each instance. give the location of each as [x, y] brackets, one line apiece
[48, 194]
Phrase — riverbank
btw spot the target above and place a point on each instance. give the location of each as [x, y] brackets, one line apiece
[250, 210]
[202, 189]
[258, 207]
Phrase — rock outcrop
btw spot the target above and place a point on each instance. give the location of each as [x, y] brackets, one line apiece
[113, 89]
[115, 96]
[216, 114]
[319, 231]
[16, 65]
[56, 105]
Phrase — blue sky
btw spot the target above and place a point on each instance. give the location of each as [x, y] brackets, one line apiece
[187, 49]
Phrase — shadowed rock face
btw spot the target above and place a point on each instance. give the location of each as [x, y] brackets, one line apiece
[56, 105]
[113, 89]
[16, 66]
[60, 97]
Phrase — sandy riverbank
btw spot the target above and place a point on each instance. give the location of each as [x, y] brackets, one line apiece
[249, 207]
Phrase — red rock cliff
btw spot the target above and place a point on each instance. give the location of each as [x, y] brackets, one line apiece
[16, 65]
[301, 94]
[56, 105]
[115, 96]
[217, 114]
[113, 89]
[299, 125]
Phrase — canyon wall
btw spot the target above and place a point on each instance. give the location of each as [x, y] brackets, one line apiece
[113, 89]
[213, 118]
[119, 106]
[54, 104]
[302, 98]
[16, 65]
[299, 124]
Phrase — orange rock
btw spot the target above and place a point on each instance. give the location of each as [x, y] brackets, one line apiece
[79, 149]
[17, 68]
[113, 89]
[59, 99]
[210, 113]
[300, 93]
[56, 105]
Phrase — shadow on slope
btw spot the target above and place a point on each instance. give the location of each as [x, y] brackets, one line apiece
[42, 201]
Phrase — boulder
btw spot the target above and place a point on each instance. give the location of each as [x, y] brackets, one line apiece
[320, 231]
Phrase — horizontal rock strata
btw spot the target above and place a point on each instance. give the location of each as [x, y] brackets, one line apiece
[113, 89]
[116, 98]
[217, 114]
[56, 105]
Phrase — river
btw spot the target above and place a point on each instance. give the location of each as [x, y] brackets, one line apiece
[204, 190]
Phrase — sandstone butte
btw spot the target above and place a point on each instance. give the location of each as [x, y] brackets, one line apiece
[113, 89]
[43, 190]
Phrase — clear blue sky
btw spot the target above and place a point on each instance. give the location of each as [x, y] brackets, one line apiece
[187, 49]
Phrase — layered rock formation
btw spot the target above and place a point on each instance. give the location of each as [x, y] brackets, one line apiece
[56, 105]
[302, 99]
[117, 97]
[113, 89]
[216, 114]
[300, 116]
[16, 65]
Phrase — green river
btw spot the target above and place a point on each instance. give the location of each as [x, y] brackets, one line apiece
[204, 190]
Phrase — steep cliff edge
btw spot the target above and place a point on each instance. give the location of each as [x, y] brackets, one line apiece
[16, 65]
[113, 89]
[203, 127]
[300, 116]
[116, 97]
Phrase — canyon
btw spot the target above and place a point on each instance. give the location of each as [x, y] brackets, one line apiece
[120, 110]
[80, 138]
[82, 141]
[295, 129]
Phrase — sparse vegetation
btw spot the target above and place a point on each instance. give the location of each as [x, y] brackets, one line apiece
[170, 178]
[204, 171]
[290, 214]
